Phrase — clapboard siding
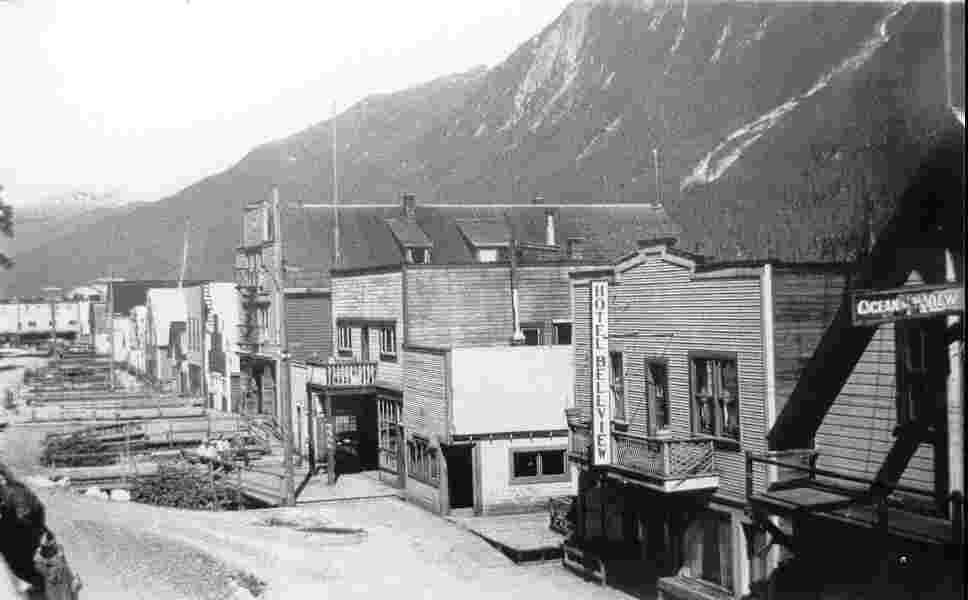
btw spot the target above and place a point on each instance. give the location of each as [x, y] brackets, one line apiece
[425, 393]
[857, 432]
[309, 325]
[471, 305]
[660, 311]
[582, 344]
[375, 297]
[804, 305]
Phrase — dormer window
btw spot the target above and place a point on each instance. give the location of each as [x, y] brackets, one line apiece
[488, 255]
[418, 256]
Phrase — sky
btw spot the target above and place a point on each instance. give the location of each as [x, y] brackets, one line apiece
[142, 98]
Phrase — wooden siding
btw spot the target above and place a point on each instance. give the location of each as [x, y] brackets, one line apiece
[582, 344]
[804, 306]
[659, 311]
[375, 297]
[309, 326]
[471, 305]
[425, 393]
[857, 432]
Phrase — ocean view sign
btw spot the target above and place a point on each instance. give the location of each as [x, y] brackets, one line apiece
[601, 391]
[872, 307]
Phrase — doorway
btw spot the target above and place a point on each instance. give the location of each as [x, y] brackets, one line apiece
[460, 475]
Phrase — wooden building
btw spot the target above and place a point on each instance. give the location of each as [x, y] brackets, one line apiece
[878, 412]
[307, 310]
[680, 368]
[453, 339]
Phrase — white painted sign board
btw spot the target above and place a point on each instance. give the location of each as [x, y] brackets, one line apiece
[601, 391]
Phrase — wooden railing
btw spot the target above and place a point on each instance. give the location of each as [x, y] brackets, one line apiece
[664, 458]
[344, 373]
[580, 443]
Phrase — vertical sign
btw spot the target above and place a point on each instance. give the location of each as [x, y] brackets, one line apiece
[601, 391]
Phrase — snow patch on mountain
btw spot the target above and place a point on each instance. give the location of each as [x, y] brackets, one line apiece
[723, 156]
[596, 142]
[721, 42]
[557, 56]
[679, 36]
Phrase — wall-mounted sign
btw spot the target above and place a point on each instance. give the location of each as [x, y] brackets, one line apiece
[872, 307]
[601, 392]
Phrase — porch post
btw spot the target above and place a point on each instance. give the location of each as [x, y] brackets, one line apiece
[444, 489]
[955, 406]
[330, 442]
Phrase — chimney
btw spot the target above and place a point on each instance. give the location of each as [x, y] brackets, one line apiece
[408, 205]
[551, 239]
[575, 248]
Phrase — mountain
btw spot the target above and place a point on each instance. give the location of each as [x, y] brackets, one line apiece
[783, 129]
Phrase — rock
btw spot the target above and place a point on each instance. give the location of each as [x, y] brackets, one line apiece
[121, 495]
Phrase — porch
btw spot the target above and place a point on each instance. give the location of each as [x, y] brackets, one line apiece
[668, 463]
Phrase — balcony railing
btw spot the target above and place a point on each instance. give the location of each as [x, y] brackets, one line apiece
[252, 339]
[344, 373]
[665, 458]
[674, 463]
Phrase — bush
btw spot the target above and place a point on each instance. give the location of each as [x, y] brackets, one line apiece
[76, 444]
[183, 486]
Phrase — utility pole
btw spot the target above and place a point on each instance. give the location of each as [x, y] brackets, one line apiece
[184, 260]
[110, 317]
[282, 381]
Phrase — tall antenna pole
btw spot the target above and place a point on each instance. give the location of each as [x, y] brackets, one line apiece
[337, 258]
[184, 261]
[283, 379]
[658, 180]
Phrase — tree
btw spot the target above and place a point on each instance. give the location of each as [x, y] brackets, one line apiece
[6, 228]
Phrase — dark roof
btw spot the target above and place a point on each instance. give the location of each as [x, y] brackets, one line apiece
[125, 295]
[608, 230]
[484, 233]
[408, 233]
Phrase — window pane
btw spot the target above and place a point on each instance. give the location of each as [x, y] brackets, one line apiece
[659, 394]
[563, 334]
[729, 399]
[553, 462]
[531, 336]
[525, 464]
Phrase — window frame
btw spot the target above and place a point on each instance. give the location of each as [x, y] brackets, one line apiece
[535, 327]
[555, 338]
[341, 349]
[933, 370]
[388, 352]
[423, 463]
[650, 399]
[414, 252]
[722, 441]
[619, 416]
[562, 477]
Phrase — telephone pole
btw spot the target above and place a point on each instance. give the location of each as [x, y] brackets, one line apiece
[285, 399]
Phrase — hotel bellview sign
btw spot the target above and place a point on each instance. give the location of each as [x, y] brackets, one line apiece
[601, 392]
[873, 307]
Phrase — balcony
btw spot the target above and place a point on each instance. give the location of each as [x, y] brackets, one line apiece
[357, 373]
[252, 339]
[669, 464]
[253, 285]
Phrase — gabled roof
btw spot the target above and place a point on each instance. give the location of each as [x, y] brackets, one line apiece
[485, 233]
[408, 234]
[125, 295]
[607, 230]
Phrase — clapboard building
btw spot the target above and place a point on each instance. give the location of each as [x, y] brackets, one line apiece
[681, 364]
[452, 344]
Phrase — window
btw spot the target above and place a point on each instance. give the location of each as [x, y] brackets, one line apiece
[532, 335]
[562, 334]
[344, 340]
[715, 397]
[388, 342]
[617, 384]
[422, 462]
[708, 549]
[31, 323]
[657, 395]
[418, 256]
[540, 465]
[922, 371]
[490, 254]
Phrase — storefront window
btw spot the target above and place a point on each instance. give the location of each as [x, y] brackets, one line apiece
[709, 550]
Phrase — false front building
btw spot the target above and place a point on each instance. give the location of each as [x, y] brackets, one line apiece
[680, 367]
[453, 336]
